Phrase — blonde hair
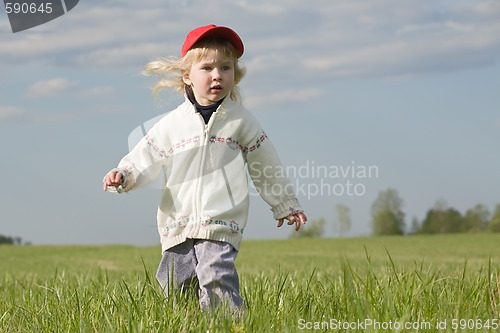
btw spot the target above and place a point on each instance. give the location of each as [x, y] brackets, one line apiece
[172, 70]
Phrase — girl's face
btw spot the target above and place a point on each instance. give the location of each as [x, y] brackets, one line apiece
[211, 78]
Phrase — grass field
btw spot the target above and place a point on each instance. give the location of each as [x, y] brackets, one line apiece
[398, 284]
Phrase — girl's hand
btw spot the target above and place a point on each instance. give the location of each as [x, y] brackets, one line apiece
[114, 178]
[297, 218]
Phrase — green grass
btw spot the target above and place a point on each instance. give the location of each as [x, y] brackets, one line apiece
[288, 285]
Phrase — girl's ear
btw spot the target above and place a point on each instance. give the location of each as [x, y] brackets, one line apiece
[186, 79]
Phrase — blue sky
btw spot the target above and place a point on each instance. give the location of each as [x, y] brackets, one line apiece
[408, 87]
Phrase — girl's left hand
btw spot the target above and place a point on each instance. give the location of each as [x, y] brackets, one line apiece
[297, 218]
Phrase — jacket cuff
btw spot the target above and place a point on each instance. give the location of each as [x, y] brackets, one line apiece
[120, 188]
[287, 207]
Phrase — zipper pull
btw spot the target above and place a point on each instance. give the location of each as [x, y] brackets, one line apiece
[205, 134]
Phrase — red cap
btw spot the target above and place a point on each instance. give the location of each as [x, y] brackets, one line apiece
[213, 31]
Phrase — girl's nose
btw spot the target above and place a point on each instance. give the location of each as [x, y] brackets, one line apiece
[216, 75]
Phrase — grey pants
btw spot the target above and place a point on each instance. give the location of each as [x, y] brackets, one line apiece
[207, 264]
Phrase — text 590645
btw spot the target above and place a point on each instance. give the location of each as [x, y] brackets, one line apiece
[474, 324]
[28, 7]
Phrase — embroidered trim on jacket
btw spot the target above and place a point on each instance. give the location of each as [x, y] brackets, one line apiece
[205, 222]
[262, 138]
[229, 141]
[174, 147]
[151, 142]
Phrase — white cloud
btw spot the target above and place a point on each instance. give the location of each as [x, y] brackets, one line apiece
[7, 112]
[50, 88]
[99, 91]
[256, 99]
[134, 55]
[305, 43]
[90, 28]
[414, 50]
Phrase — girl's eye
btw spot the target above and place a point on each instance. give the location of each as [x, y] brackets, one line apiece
[225, 68]
[207, 68]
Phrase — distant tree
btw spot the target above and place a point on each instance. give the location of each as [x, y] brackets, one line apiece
[313, 229]
[475, 219]
[343, 218]
[441, 220]
[496, 211]
[494, 224]
[6, 240]
[387, 213]
[10, 240]
[415, 226]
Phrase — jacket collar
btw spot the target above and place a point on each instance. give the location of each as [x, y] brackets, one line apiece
[221, 111]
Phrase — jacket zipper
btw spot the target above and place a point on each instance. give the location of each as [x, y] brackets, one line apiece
[198, 194]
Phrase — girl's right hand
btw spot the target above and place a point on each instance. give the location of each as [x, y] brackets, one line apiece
[113, 178]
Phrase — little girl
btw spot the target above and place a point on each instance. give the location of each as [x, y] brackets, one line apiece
[203, 146]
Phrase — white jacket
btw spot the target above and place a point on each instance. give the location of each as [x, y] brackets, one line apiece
[205, 193]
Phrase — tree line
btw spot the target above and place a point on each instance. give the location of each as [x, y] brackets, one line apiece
[388, 218]
[7, 240]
